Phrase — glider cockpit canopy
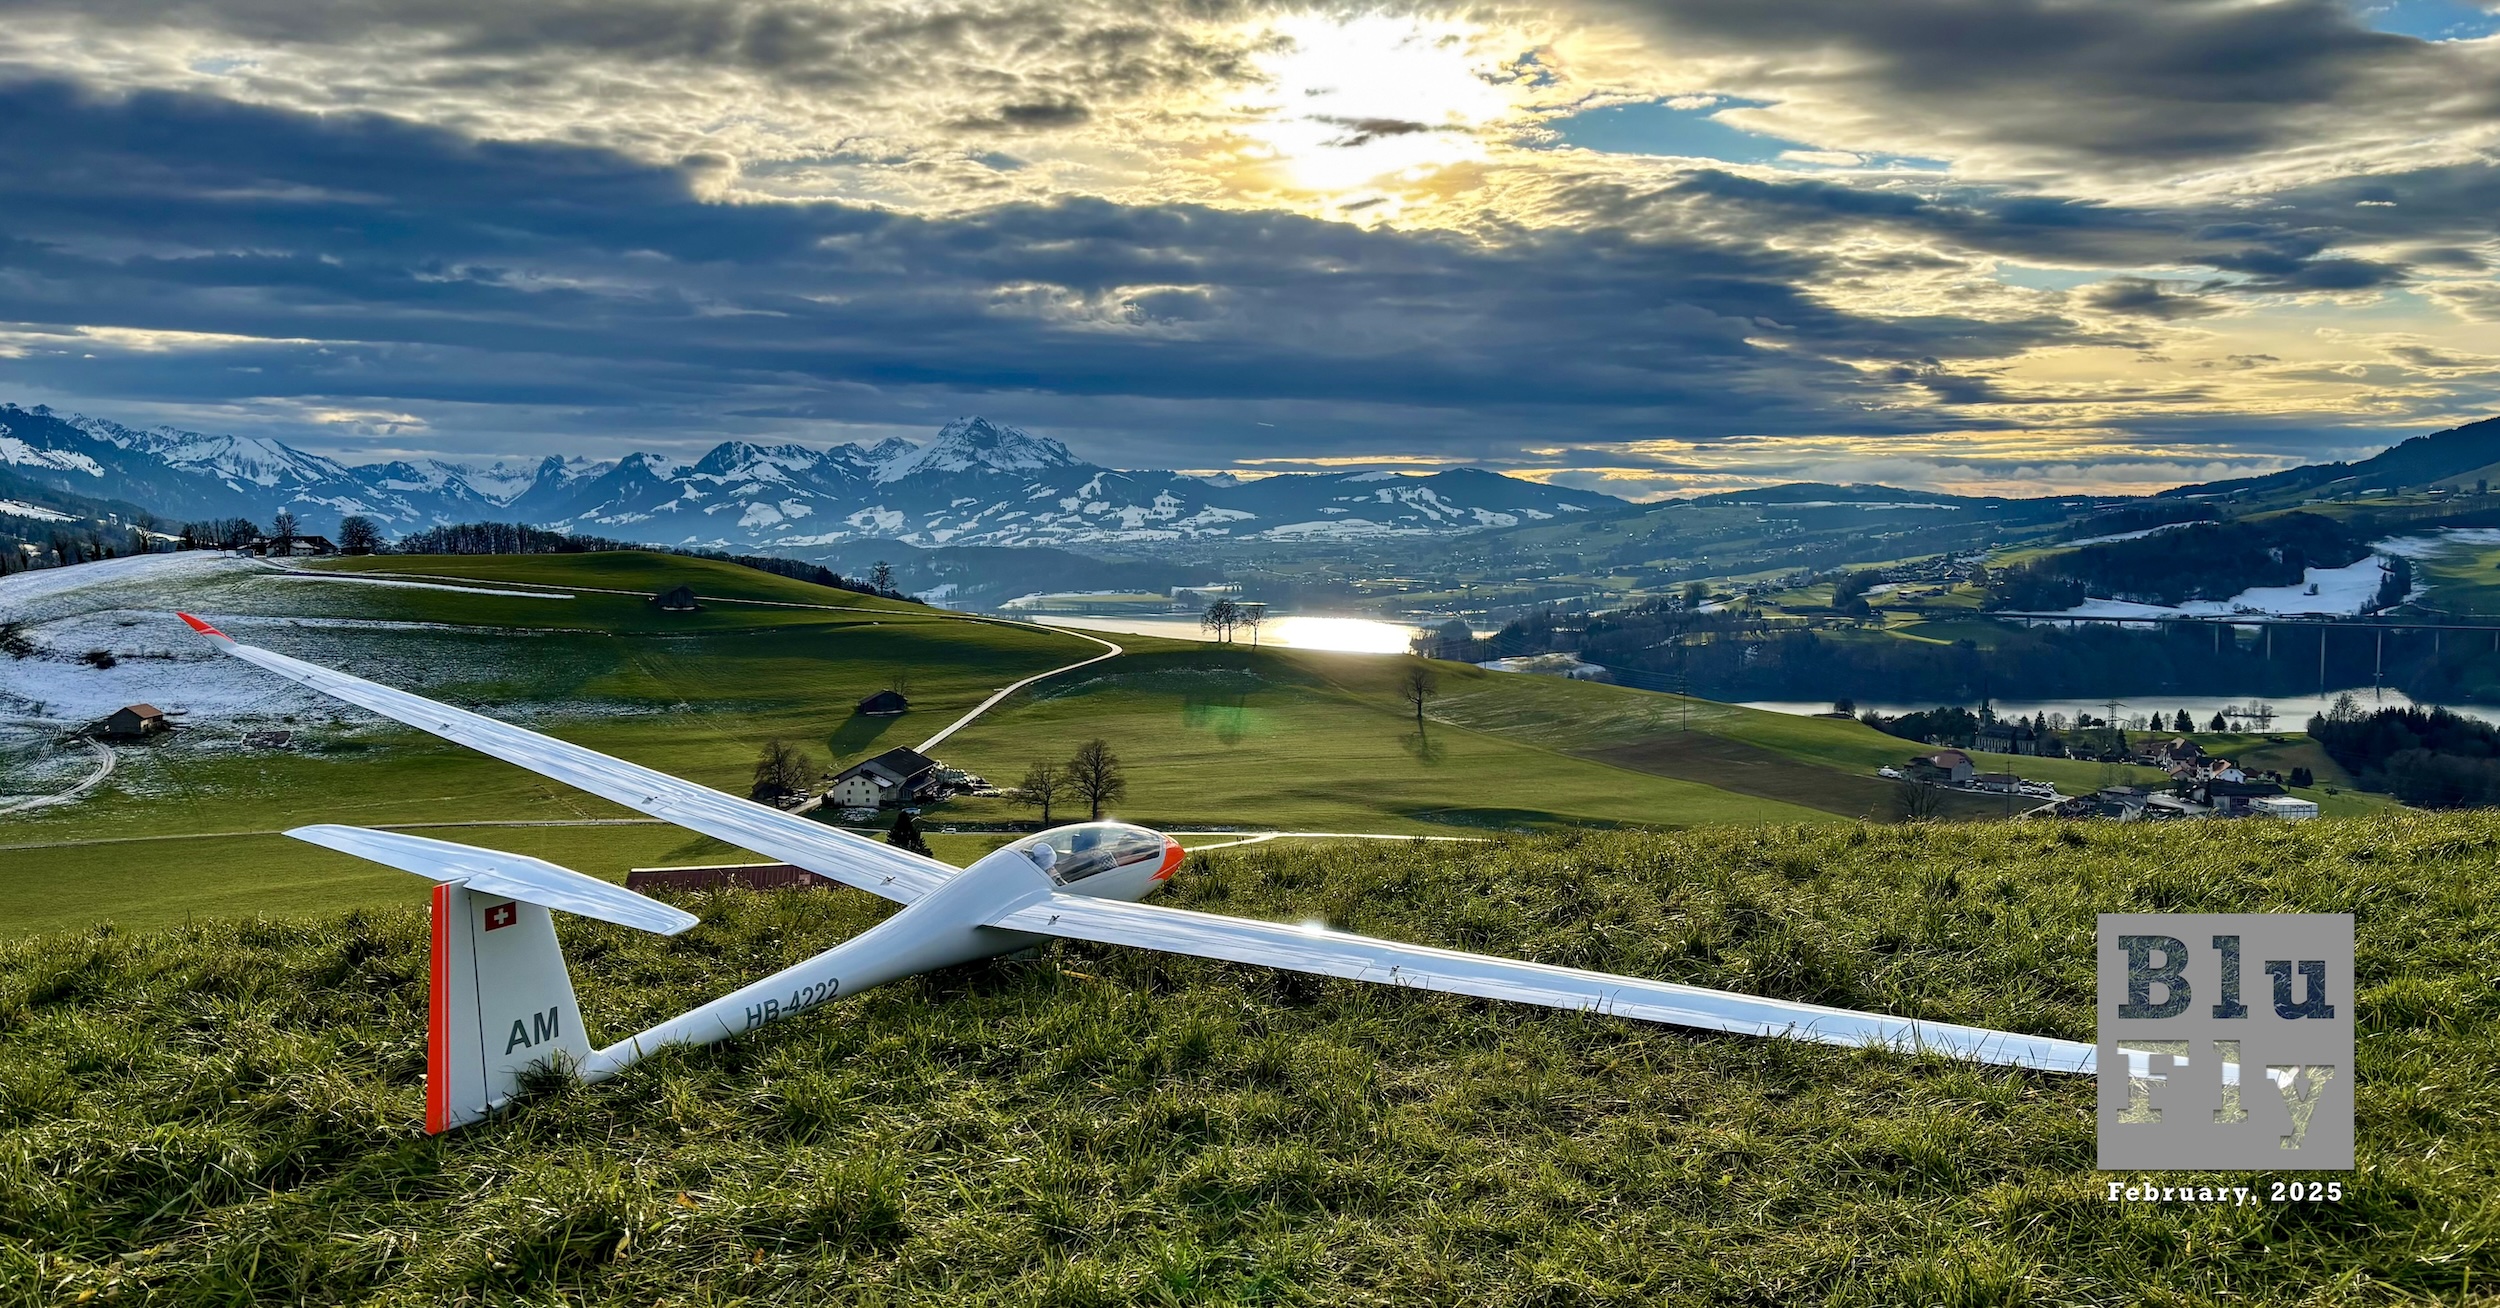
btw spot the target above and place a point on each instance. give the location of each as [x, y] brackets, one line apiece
[1074, 853]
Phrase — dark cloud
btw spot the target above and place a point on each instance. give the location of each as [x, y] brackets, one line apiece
[426, 268]
[1364, 131]
[2116, 83]
[2143, 297]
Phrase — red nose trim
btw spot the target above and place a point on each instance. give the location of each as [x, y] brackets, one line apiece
[201, 627]
[1172, 856]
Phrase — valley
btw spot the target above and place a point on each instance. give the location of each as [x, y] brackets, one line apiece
[1211, 737]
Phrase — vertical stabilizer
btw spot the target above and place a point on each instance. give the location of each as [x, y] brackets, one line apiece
[500, 1004]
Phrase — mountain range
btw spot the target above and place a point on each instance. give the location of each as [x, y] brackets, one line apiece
[975, 483]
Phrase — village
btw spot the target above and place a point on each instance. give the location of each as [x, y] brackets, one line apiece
[2201, 785]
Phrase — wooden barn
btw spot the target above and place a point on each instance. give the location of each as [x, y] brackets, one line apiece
[133, 721]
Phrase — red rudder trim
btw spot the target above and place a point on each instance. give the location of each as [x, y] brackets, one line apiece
[438, 1021]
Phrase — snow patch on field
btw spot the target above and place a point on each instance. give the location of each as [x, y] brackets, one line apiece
[2338, 592]
[21, 593]
[2130, 535]
[2433, 544]
[22, 509]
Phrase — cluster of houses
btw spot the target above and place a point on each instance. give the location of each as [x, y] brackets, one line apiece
[2201, 786]
[1952, 767]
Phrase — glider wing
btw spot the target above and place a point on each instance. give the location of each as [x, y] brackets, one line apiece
[1363, 958]
[827, 851]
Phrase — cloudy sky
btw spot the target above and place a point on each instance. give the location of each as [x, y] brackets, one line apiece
[1647, 246]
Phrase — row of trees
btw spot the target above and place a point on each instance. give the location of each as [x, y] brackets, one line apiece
[1093, 775]
[1225, 617]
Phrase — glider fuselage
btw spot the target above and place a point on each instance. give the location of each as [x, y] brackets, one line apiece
[946, 928]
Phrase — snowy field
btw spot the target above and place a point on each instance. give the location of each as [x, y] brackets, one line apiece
[2321, 592]
[125, 609]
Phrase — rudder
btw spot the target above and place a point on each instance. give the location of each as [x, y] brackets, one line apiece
[500, 1004]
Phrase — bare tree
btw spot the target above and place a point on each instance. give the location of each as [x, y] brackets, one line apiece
[1094, 775]
[1418, 686]
[1917, 801]
[282, 531]
[1220, 618]
[359, 535]
[881, 576]
[1253, 613]
[1043, 784]
[781, 771]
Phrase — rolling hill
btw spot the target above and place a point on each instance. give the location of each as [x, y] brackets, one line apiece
[1213, 737]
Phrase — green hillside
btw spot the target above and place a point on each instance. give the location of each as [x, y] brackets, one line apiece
[227, 1112]
[1258, 740]
[1212, 737]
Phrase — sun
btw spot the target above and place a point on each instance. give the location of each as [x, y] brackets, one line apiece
[1355, 102]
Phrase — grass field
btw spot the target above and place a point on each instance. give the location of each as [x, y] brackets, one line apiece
[227, 1112]
[1255, 739]
[1212, 737]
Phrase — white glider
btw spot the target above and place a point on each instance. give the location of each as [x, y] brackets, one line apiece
[502, 1002]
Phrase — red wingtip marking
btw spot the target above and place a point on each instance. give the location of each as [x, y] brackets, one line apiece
[1172, 856]
[202, 627]
[438, 1021]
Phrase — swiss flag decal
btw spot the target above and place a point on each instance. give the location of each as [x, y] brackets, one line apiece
[502, 915]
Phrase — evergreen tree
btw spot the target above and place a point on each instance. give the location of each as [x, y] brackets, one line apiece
[905, 834]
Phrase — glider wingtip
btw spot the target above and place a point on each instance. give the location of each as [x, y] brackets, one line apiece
[202, 627]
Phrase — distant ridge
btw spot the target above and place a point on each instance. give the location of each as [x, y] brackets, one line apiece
[977, 482]
[2422, 461]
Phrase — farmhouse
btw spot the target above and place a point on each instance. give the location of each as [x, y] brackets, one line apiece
[676, 599]
[891, 779]
[1951, 767]
[1996, 783]
[884, 704]
[132, 721]
[293, 546]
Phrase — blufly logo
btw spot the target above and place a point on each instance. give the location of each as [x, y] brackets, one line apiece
[2226, 1041]
[500, 916]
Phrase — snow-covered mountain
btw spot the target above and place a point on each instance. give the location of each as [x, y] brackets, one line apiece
[976, 483]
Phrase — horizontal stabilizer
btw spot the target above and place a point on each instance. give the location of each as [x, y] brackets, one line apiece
[494, 872]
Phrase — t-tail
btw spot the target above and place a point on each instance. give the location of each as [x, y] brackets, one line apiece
[500, 1002]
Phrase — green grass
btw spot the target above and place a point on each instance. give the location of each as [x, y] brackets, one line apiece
[227, 1112]
[1821, 762]
[1311, 741]
[1211, 737]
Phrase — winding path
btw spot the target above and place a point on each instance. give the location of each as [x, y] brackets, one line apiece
[103, 768]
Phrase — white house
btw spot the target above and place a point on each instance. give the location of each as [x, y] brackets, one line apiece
[891, 779]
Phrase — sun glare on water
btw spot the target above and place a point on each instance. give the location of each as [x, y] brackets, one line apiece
[1375, 100]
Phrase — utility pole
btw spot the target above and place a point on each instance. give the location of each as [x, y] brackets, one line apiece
[2378, 667]
[2322, 657]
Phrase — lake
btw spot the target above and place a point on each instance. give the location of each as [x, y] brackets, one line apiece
[2291, 712]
